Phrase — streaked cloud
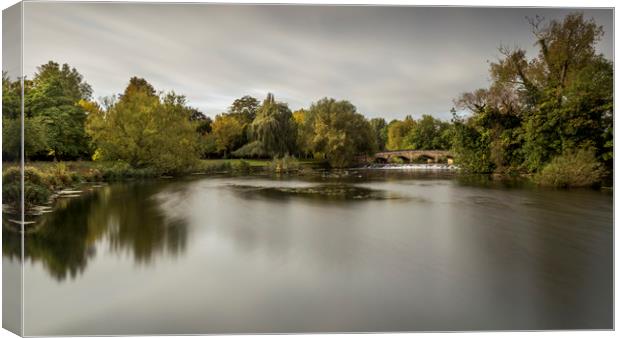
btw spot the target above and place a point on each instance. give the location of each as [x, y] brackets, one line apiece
[388, 61]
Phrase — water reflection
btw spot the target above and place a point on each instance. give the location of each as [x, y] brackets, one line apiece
[124, 216]
[362, 252]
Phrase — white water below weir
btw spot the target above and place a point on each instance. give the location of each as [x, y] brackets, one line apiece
[412, 166]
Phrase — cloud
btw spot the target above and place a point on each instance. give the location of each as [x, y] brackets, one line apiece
[388, 61]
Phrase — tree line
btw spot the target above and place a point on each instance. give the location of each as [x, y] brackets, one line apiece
[535, 113]
[146, 128]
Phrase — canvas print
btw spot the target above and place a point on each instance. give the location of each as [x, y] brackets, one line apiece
[192, 168]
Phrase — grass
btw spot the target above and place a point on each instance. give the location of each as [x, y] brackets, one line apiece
[572, 169]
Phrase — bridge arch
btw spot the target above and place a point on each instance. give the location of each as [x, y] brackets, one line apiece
[413, 156]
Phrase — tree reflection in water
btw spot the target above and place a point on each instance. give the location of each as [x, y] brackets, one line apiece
[120, 218]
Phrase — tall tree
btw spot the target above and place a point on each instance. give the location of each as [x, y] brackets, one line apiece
[339, 132]
[227, 132]
[429, 133]
[274, 127]
[54, 96]
[144, 130]
[397, 131]
[379, 127]
[245, 108]
[560, 100]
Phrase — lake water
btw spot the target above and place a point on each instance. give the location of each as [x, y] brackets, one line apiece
[375, 251]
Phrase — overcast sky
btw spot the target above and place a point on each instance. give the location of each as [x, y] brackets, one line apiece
[388, 61]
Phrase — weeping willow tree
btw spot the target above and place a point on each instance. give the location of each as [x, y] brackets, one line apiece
[274, 129]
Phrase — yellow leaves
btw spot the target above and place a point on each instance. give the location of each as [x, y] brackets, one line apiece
[98, 155]
[227, 130]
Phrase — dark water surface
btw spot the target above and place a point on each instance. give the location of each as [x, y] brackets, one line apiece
[378, 251]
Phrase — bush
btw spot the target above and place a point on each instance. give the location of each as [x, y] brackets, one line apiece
[210, 167]
[251, 150]
[122, 170]
[37, 188]
[241, 166]
[61, 175]
[578, 168]
[117, 171]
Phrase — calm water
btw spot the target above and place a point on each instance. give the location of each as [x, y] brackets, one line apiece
[379, 252]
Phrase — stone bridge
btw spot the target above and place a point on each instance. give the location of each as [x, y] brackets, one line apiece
[408, 156]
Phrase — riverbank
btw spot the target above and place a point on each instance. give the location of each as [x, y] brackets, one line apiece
[44, 180]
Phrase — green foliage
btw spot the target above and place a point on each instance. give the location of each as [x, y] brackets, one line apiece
[202, 122]
[338, 132]
[396, 133]
[120, 170]
[11, 97]
[380, 128]
[35, 137]
[245, 109]
[53, 97]
[228, 132]
[538, 109]
[578, 168]
[37, 189]
[253, 149]
[304, 133]
[428, 133]
[274, 128]
[207, 145]
[241, 166]
[144, 130]
[471, 147]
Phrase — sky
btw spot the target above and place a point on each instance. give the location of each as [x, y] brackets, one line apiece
[388, 61]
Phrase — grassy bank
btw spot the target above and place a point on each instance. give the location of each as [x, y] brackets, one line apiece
[42, 178]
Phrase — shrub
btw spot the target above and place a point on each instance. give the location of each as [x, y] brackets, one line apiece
[253, 150]
[61, 175]
[241, 166]
[578, 168]
[116, 171]
[37, 189]
[209, 167]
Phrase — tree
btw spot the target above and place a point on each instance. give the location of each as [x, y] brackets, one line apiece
[274, 128]
[379, 127]
[245, 109]
[137, 84]
[339, 132]
[144, 130]
[556, 103]
[397, 131]
[227, 131]
[304, 133]
[428, 133]
[11, 97]
[202, 122]
[35, 140]
[53, 96]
